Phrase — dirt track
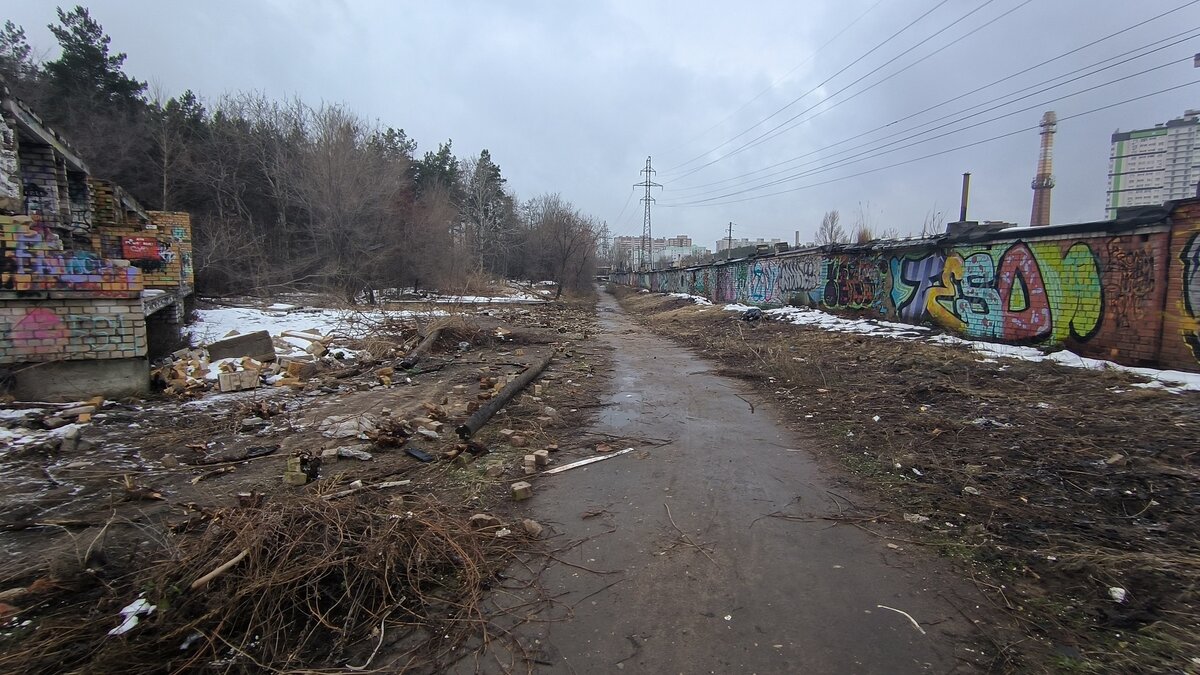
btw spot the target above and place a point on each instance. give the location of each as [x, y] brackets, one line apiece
[718, 583]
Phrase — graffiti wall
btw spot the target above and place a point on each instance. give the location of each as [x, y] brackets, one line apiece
[32, 259]
[41, 330]
[1110, 290]
[161, 248]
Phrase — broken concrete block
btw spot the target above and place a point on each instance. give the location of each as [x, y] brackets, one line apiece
[53, 422]
[239, 381]
[522, 491]
[300, 370]
[542, 457]
[257, 345]
[355, 452]
[329, 456]
[317, 349]
[532, 527]
[507, 432]
[480, 521]
[495, 471]
[537, 390]
[252, 423]
[518, 441]
[295, 464]
[553, 447]
[429, 433]
[295, 478]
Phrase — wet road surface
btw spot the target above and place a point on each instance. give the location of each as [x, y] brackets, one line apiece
[725, 589]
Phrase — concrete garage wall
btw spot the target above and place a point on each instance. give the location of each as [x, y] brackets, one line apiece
[1124, 290]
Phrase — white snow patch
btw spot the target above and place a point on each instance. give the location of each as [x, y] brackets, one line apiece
[214, 324]
[694, 298]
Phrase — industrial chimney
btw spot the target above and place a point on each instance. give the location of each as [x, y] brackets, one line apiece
[1043, 182]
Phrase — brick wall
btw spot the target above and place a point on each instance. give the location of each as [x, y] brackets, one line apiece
[1181, 315]
[32, 259]
[71, 329]
[1115, 291]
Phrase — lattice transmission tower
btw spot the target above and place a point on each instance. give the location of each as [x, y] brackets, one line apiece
[646, 250]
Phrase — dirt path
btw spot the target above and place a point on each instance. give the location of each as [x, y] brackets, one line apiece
[725, 588]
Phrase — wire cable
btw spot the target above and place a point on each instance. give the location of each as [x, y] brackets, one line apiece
[930, 155]
[991, 104]
[799, 98]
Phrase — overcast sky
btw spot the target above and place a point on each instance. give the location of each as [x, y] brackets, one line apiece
[571, 97]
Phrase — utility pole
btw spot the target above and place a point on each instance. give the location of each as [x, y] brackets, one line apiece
[729, 242]
[646, 251]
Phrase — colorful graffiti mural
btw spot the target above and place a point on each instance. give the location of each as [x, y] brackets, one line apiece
[1101, 294]
[32, 259]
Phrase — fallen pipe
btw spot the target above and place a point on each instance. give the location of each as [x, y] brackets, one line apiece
[475, 422]
[415, 355]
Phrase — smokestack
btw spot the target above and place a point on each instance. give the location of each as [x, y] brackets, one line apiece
[966, 193]
[1043, 182]
[797, 237]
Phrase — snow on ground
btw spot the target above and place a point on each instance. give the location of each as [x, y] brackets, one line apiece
[1169, 380]
[214, 324]
[518, 297]
[694, 298]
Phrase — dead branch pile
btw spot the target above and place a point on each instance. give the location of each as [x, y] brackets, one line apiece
[303, 583]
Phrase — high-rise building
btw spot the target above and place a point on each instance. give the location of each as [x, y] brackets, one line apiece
[1152, 166]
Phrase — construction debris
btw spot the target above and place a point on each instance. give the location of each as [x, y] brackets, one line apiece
[485, 413]
[585, 462]
[256, 345]
[522, 491]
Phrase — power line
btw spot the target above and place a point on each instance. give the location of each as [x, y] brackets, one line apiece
[776, 130]
[784, 77]
[973, 91]
[874, 152]
[931, 155]
[799, 98]
[991, 104]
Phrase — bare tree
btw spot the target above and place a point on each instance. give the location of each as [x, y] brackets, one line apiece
[566, 238]
[934, 223]
[830, 231]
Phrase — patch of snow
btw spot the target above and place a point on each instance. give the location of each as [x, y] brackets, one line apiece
[281, 307]
[694, 298]
[214, 324]
[153, 292]
[16, 414]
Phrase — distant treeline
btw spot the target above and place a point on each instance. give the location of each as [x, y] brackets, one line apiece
[287, 195]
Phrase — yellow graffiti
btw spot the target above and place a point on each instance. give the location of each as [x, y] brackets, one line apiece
[952, 272]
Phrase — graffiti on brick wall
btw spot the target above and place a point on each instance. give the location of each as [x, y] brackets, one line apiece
[854, 282]
[1020, 293]
[1190, 257]
[1129, 281]
[43, 333]
[32, 259]
[1099, 295]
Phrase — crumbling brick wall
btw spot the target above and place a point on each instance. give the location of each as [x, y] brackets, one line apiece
[1128, 293]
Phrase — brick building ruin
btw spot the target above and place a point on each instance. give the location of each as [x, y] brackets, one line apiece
[91, 284]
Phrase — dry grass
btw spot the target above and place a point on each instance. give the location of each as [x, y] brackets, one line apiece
[1084, 482]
